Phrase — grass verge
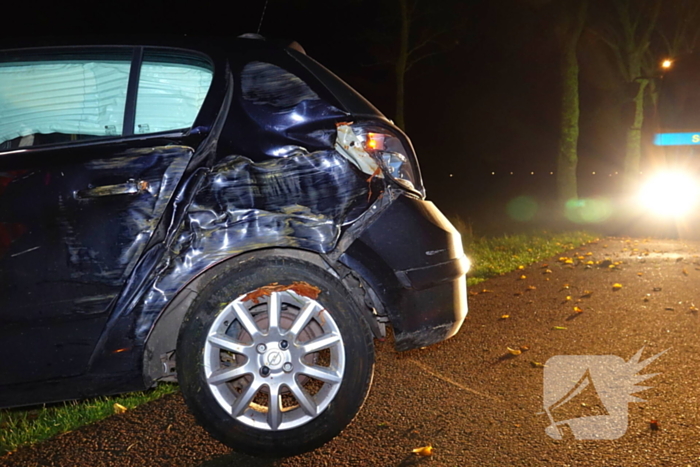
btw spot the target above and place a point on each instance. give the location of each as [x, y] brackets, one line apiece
[490, 257]
[22, 426]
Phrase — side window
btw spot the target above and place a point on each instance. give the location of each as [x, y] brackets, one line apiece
[49, 101]
[267, 84]
[171, 92]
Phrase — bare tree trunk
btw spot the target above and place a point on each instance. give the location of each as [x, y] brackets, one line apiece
[633, 152]
[567, 159]
[401, 65]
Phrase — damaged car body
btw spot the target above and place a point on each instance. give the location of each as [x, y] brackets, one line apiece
[235, 218]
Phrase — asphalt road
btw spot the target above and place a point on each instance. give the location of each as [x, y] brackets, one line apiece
[469, 398]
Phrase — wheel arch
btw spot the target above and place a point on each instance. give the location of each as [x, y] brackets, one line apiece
[159, 348]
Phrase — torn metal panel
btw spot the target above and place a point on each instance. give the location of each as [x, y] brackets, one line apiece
[299, 201]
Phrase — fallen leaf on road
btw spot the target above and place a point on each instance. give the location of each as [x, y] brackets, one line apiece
[424, 451]
[531, 287]
[118, 408]
[578, 310]
[640, 273]
[514, 351]
[656, 289]
[524, 348]
[586, 294]
[486, 291]
[653, 425]
[547, 271]
[558, 328]
[616, 287]
[537, 365]
[669, 308]
[685, 272]
[505, 316]
[520, 268]
[523, 277]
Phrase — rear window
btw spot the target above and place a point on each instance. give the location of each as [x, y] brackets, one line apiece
[57, 99]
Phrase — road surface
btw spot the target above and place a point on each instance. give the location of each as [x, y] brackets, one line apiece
[472, 400]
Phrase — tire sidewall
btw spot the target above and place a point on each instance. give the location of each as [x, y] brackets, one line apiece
[357, 340]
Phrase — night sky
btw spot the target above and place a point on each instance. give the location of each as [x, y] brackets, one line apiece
[486, 101]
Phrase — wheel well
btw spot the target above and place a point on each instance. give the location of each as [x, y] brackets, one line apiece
[159, 351]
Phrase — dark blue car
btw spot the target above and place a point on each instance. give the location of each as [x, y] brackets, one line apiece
[231, 216]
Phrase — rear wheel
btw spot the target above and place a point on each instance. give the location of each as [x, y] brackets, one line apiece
[274, 358]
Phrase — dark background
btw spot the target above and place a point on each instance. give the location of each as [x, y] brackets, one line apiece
[485, 103]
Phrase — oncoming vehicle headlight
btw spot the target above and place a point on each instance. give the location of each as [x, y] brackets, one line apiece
[670, 194]
[386, 151]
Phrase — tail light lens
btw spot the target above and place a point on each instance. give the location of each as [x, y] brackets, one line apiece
[385, 149]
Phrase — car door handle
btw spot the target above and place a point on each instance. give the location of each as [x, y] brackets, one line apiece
[131, 187]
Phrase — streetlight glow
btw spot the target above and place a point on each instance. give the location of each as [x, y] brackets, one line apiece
[666, 64]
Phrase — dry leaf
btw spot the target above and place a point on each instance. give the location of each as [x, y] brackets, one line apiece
[531, 287]
[537, 365]
[547, 271]
[118, 408]
[520, 268]
[640, 273]
[424, 451]
[568, 298]
[558, 328]
[578, 310]
[523, 277]
[586, 294]
[616, 287]
[685, 272]
[505, 316]
[514, 351]
[486, 291]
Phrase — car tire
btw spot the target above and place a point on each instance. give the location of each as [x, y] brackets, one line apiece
[274, 328]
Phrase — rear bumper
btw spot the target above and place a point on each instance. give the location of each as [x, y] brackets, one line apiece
[412, 257]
